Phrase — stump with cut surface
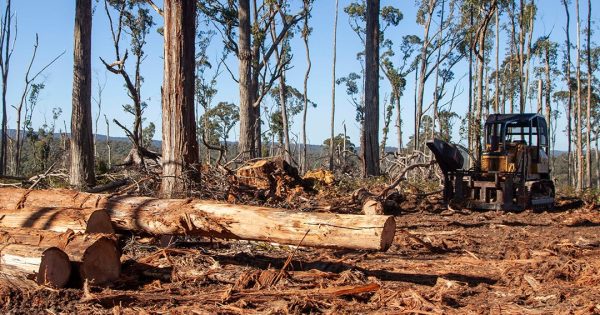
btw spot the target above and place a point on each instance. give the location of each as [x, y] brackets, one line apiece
[95, 257]
[275, 177]
[58, 219]
[46, 266]
[208, 218]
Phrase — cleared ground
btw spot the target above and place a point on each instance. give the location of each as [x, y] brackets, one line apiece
[442, 261]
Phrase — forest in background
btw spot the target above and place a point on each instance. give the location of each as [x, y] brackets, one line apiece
[457, 50]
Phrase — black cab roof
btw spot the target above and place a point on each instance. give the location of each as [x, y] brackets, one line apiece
[509, 118]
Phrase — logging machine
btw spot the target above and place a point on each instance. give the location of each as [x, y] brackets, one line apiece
[512, 173]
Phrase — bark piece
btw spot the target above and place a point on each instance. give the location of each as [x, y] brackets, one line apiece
[88, 220]
[372, 207]
[208, 218]
[95, 256]
[46, 266]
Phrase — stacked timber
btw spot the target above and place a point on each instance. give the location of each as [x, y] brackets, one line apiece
[46, 266]
[55, 258]
[208, 218]
[57, 247]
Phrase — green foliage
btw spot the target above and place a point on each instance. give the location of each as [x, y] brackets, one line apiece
[148, 135]
[218, 121]
[338, 142]
[357, 14]
[42, 143]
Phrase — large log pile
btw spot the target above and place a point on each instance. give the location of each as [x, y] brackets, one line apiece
[63, 237]
[208, 218]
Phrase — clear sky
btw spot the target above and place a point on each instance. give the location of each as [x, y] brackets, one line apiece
[53, 21]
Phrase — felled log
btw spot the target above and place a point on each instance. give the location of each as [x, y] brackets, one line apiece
[207, 218]
[46, 266]
[95, 257]
[62, 219]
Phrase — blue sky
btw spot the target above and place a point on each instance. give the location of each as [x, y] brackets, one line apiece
[53, 21]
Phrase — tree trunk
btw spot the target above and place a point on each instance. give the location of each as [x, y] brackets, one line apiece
[108, 148]
[597, 160]
[521, 53]
[95, 257]
[179, 146]
[422, 78]
[398, 121]
[549, 107]
[5, 55]
[570, 103]
[470, 105]
[539, 97]
[371, 127]
[436, 92]
[529, 39]
[246, 141]
[48, 266]
[497, 96]
[208, 218]
[282, 102]
[305, 34]
[588, 146]
[87, 220]
[82, 150]
[580, 164]
[332, 124]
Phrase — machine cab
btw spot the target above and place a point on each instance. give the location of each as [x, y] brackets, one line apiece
[513, 141]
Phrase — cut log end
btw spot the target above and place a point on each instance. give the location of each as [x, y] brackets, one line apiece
[387, 233]
[55, 268]
[101, 262]
[99, 222]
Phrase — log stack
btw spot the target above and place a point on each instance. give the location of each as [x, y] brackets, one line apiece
[94, 258]
[46, 266]
[57, 246]
[46, 230]
[207, 218]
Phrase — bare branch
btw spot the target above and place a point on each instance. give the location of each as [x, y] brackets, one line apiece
[155, 7]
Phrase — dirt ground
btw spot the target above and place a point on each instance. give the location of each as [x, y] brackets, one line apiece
[442, 262]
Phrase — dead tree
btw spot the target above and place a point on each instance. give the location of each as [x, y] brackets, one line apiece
[306, 30]
[137, 26]
[98, 100]
[19, 139]
[179, 143]
[332, 126]
[6, 51]
[82, 150]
